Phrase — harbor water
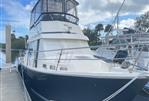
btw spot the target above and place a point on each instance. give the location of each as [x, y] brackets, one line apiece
[2, 59]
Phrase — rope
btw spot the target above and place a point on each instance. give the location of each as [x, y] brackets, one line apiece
[59, 59]
[26, 95]
[145, 91]
[121, 89]
[40, 96]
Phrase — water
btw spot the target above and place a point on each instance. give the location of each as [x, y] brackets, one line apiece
[2, 59]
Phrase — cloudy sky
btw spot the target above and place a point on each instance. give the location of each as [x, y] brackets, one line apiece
[91, 12]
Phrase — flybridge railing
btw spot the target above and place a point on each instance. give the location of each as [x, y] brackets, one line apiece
[55, 16]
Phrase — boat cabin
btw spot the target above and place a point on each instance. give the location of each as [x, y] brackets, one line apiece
[54, 26]
[54, 10]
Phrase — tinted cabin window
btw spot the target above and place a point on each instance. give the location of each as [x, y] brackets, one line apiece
[145, 49]
[55, 5]
[61, 10]
[120, 56]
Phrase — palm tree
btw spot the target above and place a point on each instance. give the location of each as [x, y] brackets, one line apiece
[108, 28]
[99, 28]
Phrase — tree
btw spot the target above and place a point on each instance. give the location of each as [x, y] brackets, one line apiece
[89, 33]
[16, 43]
[99, 28]
[13, 37]
[26, 37]
[108, 28]
[2, 45]
[94, 34]
[142, 22]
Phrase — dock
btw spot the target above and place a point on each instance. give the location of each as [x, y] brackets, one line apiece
[12, 87]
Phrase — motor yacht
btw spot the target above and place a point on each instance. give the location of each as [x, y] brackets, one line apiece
[59, 65]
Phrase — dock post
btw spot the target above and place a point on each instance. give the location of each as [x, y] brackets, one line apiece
[8, 44]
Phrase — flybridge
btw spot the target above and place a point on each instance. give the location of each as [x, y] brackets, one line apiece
[54, 10]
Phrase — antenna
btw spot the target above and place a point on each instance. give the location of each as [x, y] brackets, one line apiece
[117, 16]
[116, 19]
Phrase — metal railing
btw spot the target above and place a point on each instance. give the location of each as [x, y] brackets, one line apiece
[66, 54]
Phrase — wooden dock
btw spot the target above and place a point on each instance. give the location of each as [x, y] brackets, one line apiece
[12, 87]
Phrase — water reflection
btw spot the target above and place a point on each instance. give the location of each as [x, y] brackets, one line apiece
[2, 59]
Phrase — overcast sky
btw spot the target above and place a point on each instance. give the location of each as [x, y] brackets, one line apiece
[90, 12]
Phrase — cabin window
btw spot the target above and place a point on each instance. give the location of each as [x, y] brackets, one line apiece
[55, 6]
[51, 10]
[71, 9]
[145, 49]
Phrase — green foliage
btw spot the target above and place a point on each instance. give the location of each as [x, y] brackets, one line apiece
[2, 45]
[142, 22]
[108, 28]
[93, 34]
[99, 28]
[17, 43]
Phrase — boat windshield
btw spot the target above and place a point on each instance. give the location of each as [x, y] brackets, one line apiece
[51, 10]
[144, 48]
[118, 41]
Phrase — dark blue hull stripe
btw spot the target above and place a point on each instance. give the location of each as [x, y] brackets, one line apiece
[47, 87]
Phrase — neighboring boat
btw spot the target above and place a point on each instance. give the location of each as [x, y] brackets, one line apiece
[59, 65]
[126, 46]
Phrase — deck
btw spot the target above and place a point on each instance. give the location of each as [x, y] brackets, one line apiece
[11, 86]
